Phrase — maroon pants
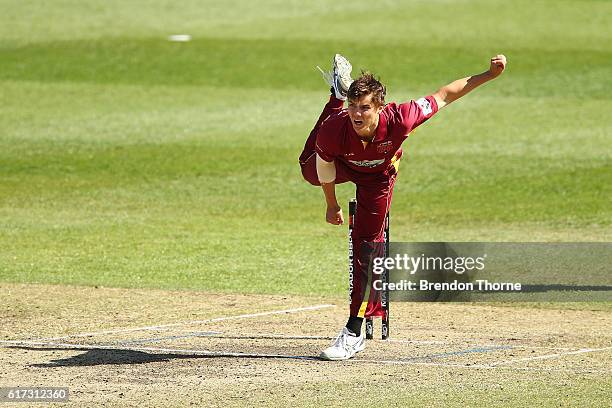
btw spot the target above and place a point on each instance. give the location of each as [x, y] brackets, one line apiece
[374, 192]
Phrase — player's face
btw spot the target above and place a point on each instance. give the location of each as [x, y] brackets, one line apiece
[364, 115]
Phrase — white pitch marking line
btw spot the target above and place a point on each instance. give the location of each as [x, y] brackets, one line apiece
[301, 337]
[415, 341]
[184, 352]
[152, 349]
[273, 335]
[478, 366]
[165, 326]
[550, 356]
[222, 335]
[221, 354]
[522, 346]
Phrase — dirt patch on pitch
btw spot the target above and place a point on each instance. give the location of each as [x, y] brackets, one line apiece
[120, 347]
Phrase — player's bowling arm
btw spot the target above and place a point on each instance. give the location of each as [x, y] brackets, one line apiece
[326, 171]
[333, 213]
[461, 87]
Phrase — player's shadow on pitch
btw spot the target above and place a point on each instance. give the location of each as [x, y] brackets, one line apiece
[102, 356]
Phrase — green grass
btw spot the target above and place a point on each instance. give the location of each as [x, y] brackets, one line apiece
[127, 160]
[465, 389]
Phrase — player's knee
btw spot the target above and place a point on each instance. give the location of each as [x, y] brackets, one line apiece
[309, 172]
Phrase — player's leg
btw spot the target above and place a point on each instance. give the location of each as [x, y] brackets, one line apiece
[373, 203]
[339, 79]
[309, 172]
[307, 158]
[374, 195]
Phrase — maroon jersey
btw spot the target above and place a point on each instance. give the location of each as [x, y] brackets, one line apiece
[337, 140]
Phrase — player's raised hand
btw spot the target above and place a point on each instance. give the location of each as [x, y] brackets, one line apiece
[498, 64]
[334, 216]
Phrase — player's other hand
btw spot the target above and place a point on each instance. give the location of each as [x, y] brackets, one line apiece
[334, 216]
[498, 64]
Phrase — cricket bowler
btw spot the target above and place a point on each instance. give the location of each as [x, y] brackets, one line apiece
[362, 144]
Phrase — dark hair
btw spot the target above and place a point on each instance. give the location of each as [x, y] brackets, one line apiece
[367, 84]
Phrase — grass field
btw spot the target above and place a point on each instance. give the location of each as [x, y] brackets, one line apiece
[129, 161]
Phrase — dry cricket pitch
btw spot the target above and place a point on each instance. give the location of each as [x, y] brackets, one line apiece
[127, 347]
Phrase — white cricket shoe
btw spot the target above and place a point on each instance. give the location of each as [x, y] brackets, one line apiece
[345, 346]
[339, 77]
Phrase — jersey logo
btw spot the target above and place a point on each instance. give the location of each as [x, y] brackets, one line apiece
[367, 163]
[384, 147]
[425, 106]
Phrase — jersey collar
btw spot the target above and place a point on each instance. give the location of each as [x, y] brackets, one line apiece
[381, 130]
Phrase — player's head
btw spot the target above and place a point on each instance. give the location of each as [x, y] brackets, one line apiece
[366, 97]
[367, 84]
